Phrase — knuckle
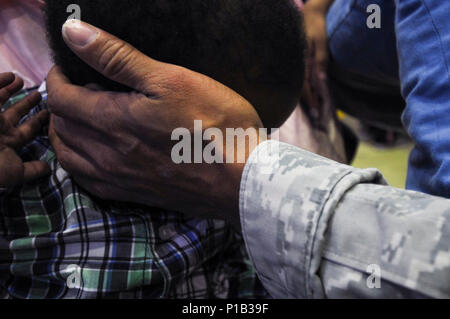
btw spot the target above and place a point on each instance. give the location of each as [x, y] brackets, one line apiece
[170, 82]
[176, 80]
[108, 166]
[114, 57]
[111, 166]
[60, 129]
[53, 96]
[64, 160]
[109, 118]
[129, 146]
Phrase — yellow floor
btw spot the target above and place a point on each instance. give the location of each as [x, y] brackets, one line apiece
[391, 162]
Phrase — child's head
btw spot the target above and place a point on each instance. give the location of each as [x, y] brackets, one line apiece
[255, 47]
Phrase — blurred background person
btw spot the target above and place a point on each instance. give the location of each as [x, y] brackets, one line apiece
[23, 45]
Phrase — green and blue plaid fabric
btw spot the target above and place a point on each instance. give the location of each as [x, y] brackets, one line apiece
[58, 241]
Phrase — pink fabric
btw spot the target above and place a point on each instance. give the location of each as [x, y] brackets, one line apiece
[297, 130]
[23, 46]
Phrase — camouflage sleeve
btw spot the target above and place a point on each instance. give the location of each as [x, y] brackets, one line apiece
[315, 228]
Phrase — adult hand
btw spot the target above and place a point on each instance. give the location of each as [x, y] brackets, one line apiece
[13, 171]
[118, 145]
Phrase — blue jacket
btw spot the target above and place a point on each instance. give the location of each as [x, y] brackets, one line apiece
[411, 47]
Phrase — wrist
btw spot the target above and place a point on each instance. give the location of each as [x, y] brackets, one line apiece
[231, 180]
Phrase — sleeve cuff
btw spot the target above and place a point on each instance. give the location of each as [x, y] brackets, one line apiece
[287, 197]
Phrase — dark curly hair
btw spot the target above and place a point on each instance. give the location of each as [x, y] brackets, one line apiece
[255, 47]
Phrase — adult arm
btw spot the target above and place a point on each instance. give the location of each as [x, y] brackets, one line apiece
[315, 228]
[423, 41]
[118, 146]
[311, 225]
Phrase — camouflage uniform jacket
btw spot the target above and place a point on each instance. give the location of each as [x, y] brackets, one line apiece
[318, 229]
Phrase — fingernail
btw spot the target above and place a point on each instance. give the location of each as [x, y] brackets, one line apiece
[79, 33]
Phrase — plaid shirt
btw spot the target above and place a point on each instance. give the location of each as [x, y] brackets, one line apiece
[58, 241]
